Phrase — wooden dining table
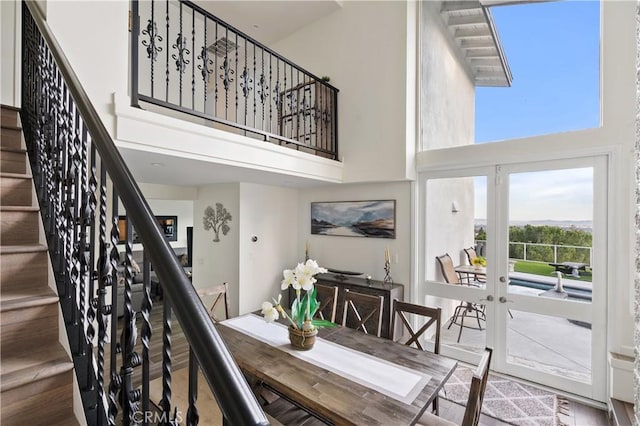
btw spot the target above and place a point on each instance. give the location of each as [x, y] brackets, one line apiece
[326, 392]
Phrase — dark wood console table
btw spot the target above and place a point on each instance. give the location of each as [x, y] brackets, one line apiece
[361, 285]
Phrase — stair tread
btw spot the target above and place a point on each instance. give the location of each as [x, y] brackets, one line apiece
[36, 363]
[30, 248]
[10, 127]
[17, 150]
[9, 107]
[15, 175]
[19, 208]
[24, 297]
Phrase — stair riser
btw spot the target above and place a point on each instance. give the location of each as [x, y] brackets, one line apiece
[19, 228]
[39, 403]
[30, 327]
[11, 138]
[13, 162]
[9, 117]
[23, 270]
[15, 191]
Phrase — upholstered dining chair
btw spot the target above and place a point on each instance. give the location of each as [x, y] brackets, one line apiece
[361, 311]
[474, 401]
[220, 296]
[464, 309]
[328, 298]
[432, 317]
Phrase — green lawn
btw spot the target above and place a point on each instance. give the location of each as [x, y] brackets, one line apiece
[546, 270]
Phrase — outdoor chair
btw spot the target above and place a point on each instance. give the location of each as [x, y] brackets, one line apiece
[362, 311]
[464, 309]
[328, 298]
[432, 316]
[220, 293]
[471, 254]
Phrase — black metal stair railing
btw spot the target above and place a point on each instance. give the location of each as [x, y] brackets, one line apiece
[80, 177]
[186, 59]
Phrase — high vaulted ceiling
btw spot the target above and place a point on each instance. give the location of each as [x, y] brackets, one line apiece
[272, 20]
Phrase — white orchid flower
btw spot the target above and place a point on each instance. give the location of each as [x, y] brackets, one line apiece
[289, 279]
[306, 282]
[270, 312]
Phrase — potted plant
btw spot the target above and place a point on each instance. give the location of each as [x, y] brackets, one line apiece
[479, 262]
[303, 327]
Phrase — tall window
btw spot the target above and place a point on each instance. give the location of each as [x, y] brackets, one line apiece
[553, 50]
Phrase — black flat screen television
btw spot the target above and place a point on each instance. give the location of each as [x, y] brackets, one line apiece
[168, 225]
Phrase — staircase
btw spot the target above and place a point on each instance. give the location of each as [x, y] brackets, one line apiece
[36, 373]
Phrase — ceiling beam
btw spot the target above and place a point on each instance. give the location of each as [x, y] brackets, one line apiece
[462, 21]
[477, 43]
[481, 31]
[458, 5]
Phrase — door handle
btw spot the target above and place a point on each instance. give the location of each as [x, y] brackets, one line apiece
[503, 299]
[488, 299]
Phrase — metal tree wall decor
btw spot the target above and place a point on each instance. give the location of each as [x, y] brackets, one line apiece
[217, 220]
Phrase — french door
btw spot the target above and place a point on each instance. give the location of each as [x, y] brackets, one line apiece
[526, 220]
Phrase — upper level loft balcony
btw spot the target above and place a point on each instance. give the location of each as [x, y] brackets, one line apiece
[185, 59]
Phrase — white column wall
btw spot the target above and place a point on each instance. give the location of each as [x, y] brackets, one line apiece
[217, 262]
[10, 12]
[94, 37]
[447, 108]
[268, 213]
[363, 48]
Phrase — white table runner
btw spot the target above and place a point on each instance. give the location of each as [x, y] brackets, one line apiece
[393, 380]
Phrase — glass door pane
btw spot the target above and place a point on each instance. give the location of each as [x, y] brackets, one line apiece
[546, 301]
[455, 237]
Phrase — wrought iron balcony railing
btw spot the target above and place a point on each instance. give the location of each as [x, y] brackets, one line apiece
[187, 60]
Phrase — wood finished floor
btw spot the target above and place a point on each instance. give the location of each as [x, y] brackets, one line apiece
[581, 414]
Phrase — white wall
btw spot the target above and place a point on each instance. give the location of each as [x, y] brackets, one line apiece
[363, 48]
[94, 37]
[270, 214]
[217, 262]
[446, 231]
[9, 14]
[447, 108]
[361, 254]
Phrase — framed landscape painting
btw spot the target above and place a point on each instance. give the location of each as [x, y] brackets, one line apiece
[375, 219]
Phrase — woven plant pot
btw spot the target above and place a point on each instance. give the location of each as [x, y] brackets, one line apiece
[302, 340]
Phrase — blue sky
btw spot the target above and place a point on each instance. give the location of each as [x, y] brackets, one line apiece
[553, 51]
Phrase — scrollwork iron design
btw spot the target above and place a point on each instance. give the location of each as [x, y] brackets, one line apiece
[263, 91]
[152, 48]
[246, 82]
[204, 66]
[180, 57]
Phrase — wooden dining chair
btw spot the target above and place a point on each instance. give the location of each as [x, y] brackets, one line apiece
[328, 298]
[477, 389]
[362, 311]
[464, 309]
[474, 401]
[220, 296]
[432, 316]
[400, 309]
